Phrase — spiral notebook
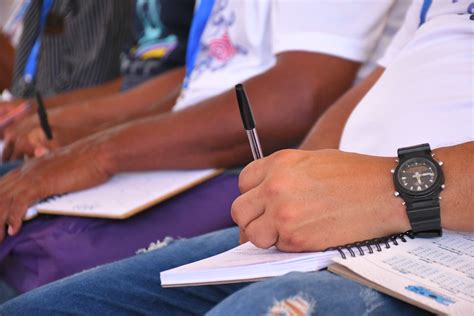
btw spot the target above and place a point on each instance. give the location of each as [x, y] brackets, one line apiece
[434, 274]
[124, 194]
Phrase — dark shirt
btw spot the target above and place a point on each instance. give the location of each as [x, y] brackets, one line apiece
[161, 36]
[80, 46]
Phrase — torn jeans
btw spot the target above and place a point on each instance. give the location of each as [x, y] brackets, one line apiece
[132, 286]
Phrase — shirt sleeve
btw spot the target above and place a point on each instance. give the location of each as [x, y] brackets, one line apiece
[403, 36]
[347, 29]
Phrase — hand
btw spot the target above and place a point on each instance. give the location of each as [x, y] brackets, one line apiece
[67, 169]
[35, 143]
[5, 109]
[311, 200]
[27, 138]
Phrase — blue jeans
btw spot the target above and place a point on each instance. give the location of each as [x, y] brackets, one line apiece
[132, 286]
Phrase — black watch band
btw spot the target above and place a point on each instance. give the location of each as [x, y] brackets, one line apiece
[423, 208]
[425, 218]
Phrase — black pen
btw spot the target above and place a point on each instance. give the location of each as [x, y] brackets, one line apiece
[249, 122]
[43, 117]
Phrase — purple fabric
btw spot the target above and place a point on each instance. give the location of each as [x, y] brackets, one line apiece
[52, 247]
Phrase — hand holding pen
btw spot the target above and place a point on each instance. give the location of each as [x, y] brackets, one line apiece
[250, 128]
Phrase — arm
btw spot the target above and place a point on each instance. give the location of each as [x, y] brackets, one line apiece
[83, 94]
[312, 200]
[327, 131]
[79, 120]
[209, 134]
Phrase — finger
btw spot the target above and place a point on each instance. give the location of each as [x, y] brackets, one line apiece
[14, 222]
[22, 148]
[246, 208]
[261, 232]
[41, 151]
[252, 175]
[242, 237]
[8, 150]
[40, 144]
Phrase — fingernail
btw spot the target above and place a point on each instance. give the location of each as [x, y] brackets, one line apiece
[10, 230]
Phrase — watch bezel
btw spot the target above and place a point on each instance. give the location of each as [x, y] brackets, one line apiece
[435, 189]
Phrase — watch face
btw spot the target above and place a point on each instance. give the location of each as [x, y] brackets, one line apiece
[417, 174]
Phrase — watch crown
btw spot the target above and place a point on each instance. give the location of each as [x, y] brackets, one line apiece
[440, 163]
[396, 193]
[392, 170]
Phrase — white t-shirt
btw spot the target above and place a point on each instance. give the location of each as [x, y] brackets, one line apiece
[426, 94]
[241, 38]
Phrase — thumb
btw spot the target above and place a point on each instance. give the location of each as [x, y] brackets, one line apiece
[41, 145]
[41, 151]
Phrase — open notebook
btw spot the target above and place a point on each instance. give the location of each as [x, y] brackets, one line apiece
[124, 194]
[434, 274]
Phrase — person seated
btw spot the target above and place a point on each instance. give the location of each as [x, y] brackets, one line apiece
[77, 48]
[159, 46]
[305, 200]
[203, 130]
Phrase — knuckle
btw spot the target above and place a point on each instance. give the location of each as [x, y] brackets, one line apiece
[292, 241]
[283, 155]
[273, 187]
[284, 215]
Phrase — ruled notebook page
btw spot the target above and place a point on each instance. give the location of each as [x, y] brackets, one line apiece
[125, 193]
[438, 272]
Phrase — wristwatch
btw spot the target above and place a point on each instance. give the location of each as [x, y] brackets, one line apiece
[418, 180]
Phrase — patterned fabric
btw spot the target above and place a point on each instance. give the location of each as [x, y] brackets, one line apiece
[80, 46]
[161, 32]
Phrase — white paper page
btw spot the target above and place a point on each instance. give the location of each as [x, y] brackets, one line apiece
[30, 214]
[438, 273]
[246, 262]
[124, 193]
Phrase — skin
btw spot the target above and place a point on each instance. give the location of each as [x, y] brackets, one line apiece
[209, 134]
[327, 131]
[6, 62]
[77, 120]
[311, 200]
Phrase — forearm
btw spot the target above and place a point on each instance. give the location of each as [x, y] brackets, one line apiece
[327, 131]
[84, 94]
[210, 134]
[457, 203]
[154, 96]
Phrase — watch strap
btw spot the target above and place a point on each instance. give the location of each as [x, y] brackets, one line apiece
[424, 214]
[408, 152]
[425, 218]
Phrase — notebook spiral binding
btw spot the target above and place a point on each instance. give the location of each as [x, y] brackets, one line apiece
[377, 243]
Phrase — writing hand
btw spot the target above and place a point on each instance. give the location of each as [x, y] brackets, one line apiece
[310, 200]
